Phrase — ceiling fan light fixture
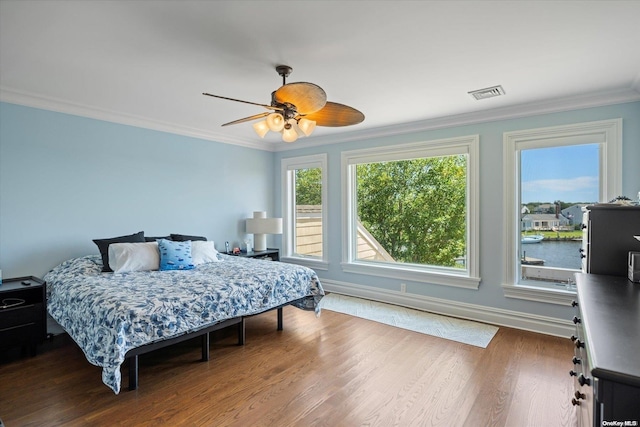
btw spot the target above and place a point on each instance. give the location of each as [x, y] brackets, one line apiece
[275, 122]
[289, 134]
[306, 126]
[261, 128]
[296, 109]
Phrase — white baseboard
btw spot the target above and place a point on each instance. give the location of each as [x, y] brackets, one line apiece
[495, 316]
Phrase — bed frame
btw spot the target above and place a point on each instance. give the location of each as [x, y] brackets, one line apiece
[132, 355]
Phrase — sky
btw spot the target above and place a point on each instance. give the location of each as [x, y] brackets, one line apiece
[568, 174]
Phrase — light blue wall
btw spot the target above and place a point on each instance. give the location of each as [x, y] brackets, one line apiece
[490, 292]
[65, 180]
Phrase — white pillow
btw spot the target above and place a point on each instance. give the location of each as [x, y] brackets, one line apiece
[124, 257]
[203, 251]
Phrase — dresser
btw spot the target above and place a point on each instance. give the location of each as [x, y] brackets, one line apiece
[606, 363]
[607, 238]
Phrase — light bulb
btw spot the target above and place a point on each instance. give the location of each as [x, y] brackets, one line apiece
[275, 121]
[289, 134]
[261, 128]
[306, 126]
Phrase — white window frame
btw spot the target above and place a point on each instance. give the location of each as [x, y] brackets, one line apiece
[469, 278]
[288, 167]
[608, 133]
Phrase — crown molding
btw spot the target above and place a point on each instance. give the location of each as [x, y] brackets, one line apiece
[636, 83]
[597, 99]
[67, 107]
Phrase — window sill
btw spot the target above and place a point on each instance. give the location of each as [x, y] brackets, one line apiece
[413, 274]
[315, 264]
[547, 295]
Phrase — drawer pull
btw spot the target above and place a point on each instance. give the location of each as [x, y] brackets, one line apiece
[576, 361]
[574, 303]
[575, 402]
[574, 338]
[579, 395]
[579, 344]
[582, 380]
[572, 373]
[576, 320]
[11, 302]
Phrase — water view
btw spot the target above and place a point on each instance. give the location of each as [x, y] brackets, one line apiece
[563, 254]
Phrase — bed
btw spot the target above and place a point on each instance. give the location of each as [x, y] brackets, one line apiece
[117, 316]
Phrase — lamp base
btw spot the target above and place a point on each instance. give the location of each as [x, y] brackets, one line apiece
[259, 242]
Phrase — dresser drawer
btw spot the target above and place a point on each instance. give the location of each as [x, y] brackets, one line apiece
[24, 334]
[21, 315]
[583, 395]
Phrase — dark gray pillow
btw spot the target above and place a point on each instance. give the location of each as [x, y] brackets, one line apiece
[184, 237]
[155, 239]
[103, 246]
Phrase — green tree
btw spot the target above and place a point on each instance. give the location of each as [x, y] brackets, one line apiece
[416, 208]
[309, 186]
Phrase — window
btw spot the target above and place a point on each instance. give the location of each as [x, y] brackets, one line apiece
[411, 212]
[305, 210]
[550, 174]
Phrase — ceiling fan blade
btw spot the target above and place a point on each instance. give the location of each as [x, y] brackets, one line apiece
[307, 97]
[271, 107]
[248, 119]
[335, 115]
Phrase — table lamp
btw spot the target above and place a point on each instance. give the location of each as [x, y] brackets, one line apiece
[260, 226]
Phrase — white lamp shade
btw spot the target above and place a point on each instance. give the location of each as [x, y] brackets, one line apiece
[306, 126]
[264, 225]
[275, 121]
[260, 226]
[261, 128]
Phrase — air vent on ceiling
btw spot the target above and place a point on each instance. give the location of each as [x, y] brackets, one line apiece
[489, 92]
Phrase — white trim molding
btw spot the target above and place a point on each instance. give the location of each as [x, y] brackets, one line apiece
[540, 294]
[312, 263]
[469, 277]
[589, 100]
[445, 277]
[479, 313]
[607, 133]
[91, 112]
[552, 106]
[288, 166]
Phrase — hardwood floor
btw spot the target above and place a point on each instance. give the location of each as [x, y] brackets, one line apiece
[335, 370]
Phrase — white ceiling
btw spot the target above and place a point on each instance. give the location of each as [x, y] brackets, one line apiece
[405, 64]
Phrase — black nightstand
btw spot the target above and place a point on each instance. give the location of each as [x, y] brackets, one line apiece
[270, 254]
[23, 313]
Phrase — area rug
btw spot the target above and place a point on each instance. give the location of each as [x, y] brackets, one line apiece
[464, 331]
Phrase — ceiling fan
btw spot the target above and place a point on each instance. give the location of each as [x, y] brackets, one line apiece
[296, 109]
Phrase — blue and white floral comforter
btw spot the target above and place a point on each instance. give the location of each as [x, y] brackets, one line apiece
[108, 314]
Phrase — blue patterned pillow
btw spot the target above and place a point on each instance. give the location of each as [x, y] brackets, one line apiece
[175, 255]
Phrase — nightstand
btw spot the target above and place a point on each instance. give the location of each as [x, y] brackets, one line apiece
[270, 254]
[23, 313]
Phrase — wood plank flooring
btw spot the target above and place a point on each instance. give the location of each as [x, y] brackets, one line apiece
[335, 370]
